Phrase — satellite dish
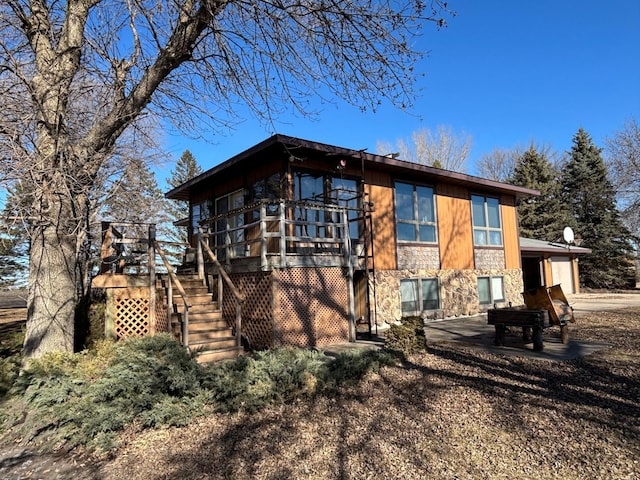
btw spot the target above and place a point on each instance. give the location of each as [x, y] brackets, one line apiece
[567, 234]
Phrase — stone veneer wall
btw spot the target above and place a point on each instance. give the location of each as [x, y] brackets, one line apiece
[458, 291]
[410, 257]
[489, 258]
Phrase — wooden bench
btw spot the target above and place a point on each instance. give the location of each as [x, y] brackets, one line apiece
[531, 320]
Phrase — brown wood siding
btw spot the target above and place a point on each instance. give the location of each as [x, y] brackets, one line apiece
[455, 232]
[380, 189]
[510, 233]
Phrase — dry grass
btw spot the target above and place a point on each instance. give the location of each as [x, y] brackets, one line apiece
[450, 413]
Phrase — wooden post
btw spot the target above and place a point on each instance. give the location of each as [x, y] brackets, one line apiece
[152, 278]
[238, 323]
[110, 316]
[200, 259]
[263, 236]
[351, 308]
[283, 237]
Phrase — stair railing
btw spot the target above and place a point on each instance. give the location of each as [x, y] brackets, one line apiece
[203, 247]
[173, 279]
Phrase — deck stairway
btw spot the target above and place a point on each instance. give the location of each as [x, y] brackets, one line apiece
[209, 336]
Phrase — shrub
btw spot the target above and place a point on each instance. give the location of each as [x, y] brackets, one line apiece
[272, 376]
[88, 397]
[408, 337]
[10, 360]
[92, 395]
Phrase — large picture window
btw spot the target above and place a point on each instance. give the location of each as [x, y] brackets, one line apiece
[490, 290]
[418, 295]
[415, 213]
[487, 228]
[229, 228]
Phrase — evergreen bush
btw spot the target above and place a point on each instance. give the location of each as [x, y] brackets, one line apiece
[10, 360]
[408, 337]
[87, 398]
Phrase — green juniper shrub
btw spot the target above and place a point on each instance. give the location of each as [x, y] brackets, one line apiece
[272, 376]
[96, 393]
[408, 337]
[10, 360]
[88, 397]
[352, 365]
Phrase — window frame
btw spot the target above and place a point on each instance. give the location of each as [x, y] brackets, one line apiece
[420, 300]
[416, 222]
[492, 296]
[485, 228]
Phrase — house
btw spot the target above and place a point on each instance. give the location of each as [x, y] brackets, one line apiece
[323, 240]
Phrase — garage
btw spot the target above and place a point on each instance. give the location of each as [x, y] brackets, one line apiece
[548, 263]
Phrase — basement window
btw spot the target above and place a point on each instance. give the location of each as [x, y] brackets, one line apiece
[490, 290]
[418, 295]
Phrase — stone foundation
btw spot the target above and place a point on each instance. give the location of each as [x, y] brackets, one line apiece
[458, 291]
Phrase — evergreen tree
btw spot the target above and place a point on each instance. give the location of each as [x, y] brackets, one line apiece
[136, 197]
[543, 217]
[590, 196]
[186, 168]
[14, 240]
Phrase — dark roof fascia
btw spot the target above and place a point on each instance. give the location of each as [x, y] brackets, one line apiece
[550, 247]
[380, 161]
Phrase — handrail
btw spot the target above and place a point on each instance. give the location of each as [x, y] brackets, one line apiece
[225, 276]
[174, 278]
[223, 273]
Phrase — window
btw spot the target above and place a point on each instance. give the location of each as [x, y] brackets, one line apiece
[267, 189]
[490, 290]
[486, 220]
[328, 190]
[418, 295]
[415, 213]
[224, 205]
[199, 211]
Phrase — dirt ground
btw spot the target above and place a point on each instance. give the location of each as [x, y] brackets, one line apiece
[452, 412]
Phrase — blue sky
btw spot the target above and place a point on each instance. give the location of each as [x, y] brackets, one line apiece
[504, 72]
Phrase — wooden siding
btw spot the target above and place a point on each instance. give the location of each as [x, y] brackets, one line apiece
[510, 233]
[455, 232]
[380, 189]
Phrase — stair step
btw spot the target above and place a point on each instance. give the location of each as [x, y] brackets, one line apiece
[203, 325]
[218, 355]
[198, 316]
[199, 336]
[193, 298]
[212, 344]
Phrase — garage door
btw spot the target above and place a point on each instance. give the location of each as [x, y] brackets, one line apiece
[562, 273]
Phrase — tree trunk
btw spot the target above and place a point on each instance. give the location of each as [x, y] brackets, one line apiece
[52, 285]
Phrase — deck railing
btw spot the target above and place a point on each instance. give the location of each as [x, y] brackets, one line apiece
[283, 233]
[132, 248]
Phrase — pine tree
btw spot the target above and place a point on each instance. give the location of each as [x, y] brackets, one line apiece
[14, 239]
[136, 198]
[186, 168]
[543, 217]
[588, 192]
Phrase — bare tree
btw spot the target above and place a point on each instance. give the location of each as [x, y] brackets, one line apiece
[501, 163]
[443, 148]
[623, 159]
[186, 60]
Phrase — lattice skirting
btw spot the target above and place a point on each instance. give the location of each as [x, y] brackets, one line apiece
[130, 309]
[302, 307]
